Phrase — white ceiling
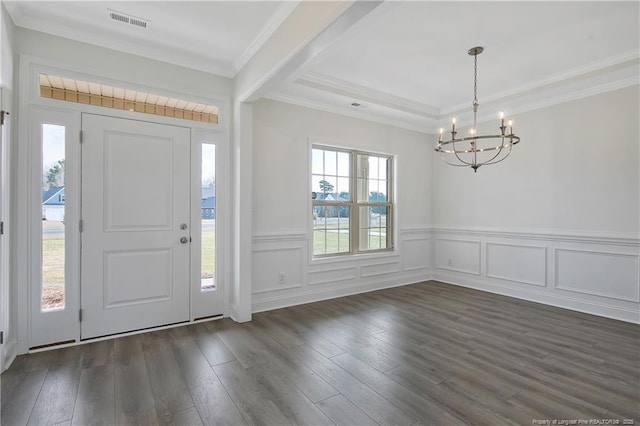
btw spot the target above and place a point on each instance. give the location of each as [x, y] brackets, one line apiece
[405, 62]
[217, 37]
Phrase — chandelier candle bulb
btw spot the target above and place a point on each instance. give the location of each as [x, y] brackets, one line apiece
[453, 125]
[441, 132]
[510, 124]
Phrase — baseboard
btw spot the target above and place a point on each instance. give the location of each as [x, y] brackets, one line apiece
[317, 295]
[10, 354]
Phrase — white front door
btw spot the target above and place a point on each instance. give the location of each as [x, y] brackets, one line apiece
[136, 225]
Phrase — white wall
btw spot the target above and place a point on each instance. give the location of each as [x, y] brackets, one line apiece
[557, 222]
[576, 170]
[281, 209]
[119, 66]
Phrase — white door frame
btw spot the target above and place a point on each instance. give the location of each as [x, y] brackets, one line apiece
[29, 101]
[4, 237]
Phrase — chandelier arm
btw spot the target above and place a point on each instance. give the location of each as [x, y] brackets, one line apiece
[454, 164]
[513, 140]
[494, 157]
[502, 159]
[458, 157]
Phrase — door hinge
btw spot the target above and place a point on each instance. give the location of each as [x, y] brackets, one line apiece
[80, 315]
[1, 228]
[81, 136]
[81, 225]
[2, 114]
[1, 337]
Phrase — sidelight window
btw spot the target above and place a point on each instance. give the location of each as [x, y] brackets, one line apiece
[208, 227]
[53, 218]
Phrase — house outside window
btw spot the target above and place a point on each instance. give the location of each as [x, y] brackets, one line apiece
[352, 212]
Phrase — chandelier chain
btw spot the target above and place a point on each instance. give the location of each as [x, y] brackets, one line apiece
[475, 79]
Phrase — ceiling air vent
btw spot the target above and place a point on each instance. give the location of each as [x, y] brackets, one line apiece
[128, 19]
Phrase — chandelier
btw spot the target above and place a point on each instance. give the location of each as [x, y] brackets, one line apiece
[476, 150]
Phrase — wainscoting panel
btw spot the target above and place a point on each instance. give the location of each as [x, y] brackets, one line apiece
[280, 269]
[458, 255]
[607, 274]
[519, 263]
[380, 268]
[599, 274]
[333, 275]
[416, 254]
[278, 262]
[310, 280]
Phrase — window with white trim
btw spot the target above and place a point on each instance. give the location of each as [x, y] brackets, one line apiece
[352, 201]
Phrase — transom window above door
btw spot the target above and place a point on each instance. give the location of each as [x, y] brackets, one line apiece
[71, 90]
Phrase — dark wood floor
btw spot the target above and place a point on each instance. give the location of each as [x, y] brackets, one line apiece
[428, 353]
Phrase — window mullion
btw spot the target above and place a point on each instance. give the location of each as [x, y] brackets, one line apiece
[354, 221]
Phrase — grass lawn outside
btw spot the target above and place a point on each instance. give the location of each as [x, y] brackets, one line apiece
[52, 296]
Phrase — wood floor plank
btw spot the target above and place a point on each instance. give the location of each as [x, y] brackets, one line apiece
[97, 353]
[56, 401]
[303, 327]
[170, 392]
[563, 385]
[211, 346]
[254, 402]
[20, 391]
[423, 354]
[235, 337]
[188, 417]
[95, 402]
[134, 397]
[420, 408]
[343, 413]
[288, 366]
[544, 407]
[212, 401]
[483, 395]
[34, 361]
[339, 311]
[283, 335]
[361, 395]
[350, 340]
[294, 404]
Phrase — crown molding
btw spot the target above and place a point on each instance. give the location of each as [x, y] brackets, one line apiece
[608, 75]
[600, 68]
[361, 93]
[168, 54]
[283, 11]
[13, 7]
[322, 106]
[545, 99]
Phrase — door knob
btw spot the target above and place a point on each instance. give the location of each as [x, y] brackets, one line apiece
[184, 240]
